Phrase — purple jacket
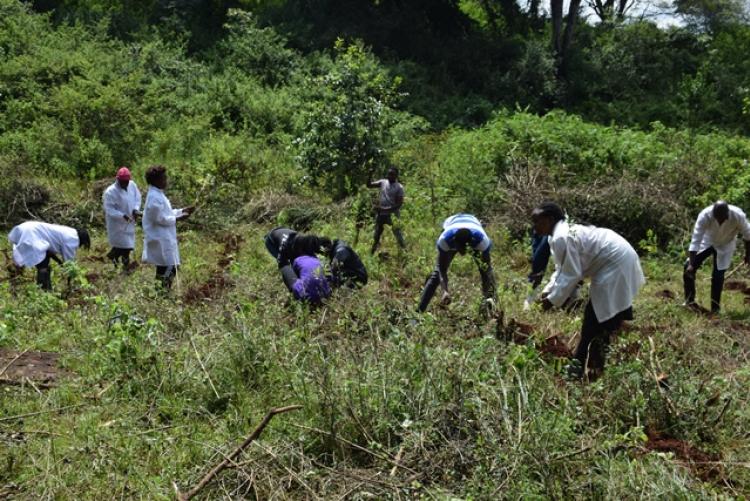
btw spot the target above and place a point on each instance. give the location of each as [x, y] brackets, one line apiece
[312, 284]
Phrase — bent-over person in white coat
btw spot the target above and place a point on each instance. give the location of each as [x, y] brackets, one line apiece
[36, 243]
[160, 227]
[122, 204]
[581, 251]
[715, 234]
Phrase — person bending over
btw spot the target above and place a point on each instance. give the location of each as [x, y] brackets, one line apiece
[36, 243]
[614, 269]
[461, 233]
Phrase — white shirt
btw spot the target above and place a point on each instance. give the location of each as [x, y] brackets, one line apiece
[722, 237]
[117, 204]
[586, 251]
[160, 230]
[33, 239]
[390, 195]
[479, 239]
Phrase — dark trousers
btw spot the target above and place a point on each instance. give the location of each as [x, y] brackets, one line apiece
[381, 219]
[44, 275]
[433, 280]
[119, 254]
[289, 276]
[592, 348]
[540, 254]
[717, 279]
[165, 275]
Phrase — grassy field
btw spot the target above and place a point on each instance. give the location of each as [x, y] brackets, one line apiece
[158, 388]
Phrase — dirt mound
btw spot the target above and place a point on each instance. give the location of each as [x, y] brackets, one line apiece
[737, 285]
[555, 346]
[218, 281]
[37, 366]
[703, 464]
[520, 333]
[665, 294]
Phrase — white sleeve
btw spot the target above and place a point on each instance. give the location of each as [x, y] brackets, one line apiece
[109, 205]
[698, 232]
[137, 199]
[163, 216]
[745, 228]
[568, 271]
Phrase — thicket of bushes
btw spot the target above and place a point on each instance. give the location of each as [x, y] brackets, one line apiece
[252, 112]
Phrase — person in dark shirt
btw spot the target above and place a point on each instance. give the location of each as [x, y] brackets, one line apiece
[347, 268]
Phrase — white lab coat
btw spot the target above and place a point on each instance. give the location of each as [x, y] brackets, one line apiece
[586, 251]
[33, 239]
[117, 204]
[160, 230]
[722, 237]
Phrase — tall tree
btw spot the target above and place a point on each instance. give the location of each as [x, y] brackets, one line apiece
[561, 39]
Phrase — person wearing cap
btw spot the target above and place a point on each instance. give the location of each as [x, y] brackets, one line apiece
[36, 243]
[581, 251]
[305, 279]
[461, 232]
[389, 204]
[122, 203]
[160, 227]
[715, 234]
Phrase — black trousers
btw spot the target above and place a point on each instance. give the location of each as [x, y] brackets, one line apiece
[381, 219]
[119, 254]
[484, 265]
[717, 279]
[44, 274]
[165, 275]
[592, 349]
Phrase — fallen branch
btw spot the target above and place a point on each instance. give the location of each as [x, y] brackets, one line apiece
[58, 409]
[13, 361]
[230, 458]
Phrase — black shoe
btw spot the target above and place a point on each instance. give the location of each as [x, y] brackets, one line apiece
[574, 370]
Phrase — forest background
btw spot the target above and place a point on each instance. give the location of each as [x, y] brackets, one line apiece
[278, 112]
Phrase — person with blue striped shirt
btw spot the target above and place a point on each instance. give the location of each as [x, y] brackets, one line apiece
[461, 233]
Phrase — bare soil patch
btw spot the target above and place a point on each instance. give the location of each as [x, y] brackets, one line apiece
[37, 366]
[703, 464]
[218, 281]
[665, 294]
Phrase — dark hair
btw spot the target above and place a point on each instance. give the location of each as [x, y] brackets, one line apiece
[462, 237]
[83, 238]
[154, 173]
[394, 169]
[549, 209]
[309, 245]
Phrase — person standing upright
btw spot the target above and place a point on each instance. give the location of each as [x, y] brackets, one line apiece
[715, 234]
[389, 205]
[122, 203]
[160, 227]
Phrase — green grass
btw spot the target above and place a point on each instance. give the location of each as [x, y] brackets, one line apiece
[467, 415]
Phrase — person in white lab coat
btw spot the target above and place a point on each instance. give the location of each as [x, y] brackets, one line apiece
[715, 234]
[122, 204]
[36, 243]
[610, 262]
[160, 227]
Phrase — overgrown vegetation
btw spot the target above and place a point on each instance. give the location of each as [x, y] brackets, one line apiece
[279, 118]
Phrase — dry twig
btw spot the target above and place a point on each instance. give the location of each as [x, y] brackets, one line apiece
[230, 458]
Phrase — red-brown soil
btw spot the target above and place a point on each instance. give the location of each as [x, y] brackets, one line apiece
[37, 366]
[702, 463]
[218, 281]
